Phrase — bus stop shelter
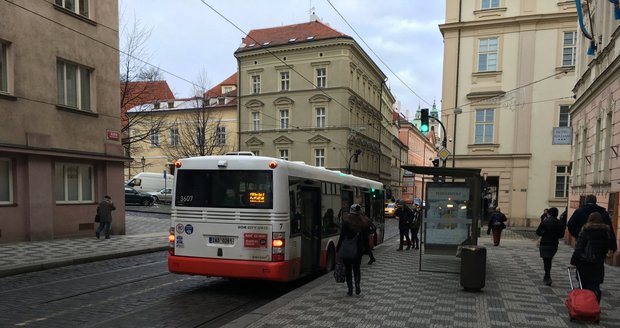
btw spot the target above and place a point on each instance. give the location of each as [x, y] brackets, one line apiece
[452, 214]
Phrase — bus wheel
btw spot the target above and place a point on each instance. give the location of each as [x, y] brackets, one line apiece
[331, 258]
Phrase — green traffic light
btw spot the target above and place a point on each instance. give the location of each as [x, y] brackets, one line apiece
[424, 128]
[424, 119]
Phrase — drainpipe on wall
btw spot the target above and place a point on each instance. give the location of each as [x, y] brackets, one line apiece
[456, 88]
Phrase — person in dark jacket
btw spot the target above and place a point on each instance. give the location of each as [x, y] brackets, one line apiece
[354, 226]
[580, 216]
[544, 215]
[104, 210]
[405, 217]
[550, 229]
[593, 244]
[415, 226]
[496, 224]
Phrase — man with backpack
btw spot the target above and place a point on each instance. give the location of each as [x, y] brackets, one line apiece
[415, 226]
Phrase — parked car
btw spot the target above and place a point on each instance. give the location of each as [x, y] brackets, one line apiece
[390, 209]
[162, 196]
[133, 196]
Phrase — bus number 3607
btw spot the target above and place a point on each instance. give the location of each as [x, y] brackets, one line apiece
[186, 198]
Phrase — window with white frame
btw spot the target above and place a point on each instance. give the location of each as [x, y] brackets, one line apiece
[319, 157]
[199, 136]
[284, 81]
[174, 136]
[6, 181]
[79, 7]
[487, 55]
[284, 154]
[227, 89]
[564, 119]
[73, 82]
[220, 135]
[569, 48]
[74, 183]
[489, 4]
[284, 119]
[484, 126]
[255, 121]
[4, 66]
[154, 139]
[562, 174]
[321, 77]
[255, 84]
[320, 117]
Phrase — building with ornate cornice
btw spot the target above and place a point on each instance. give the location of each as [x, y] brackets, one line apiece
[310, 93]
[594, 115]
[507, 78]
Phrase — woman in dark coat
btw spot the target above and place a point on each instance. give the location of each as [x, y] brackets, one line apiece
[550, 229]
[593, 243]
[354, 226]
[496, 224]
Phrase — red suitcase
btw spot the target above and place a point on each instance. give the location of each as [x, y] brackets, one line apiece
[582, 303]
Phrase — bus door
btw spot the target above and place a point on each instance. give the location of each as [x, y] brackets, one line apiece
[310, 229]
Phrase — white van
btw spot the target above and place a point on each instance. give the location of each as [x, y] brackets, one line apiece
[149, 181]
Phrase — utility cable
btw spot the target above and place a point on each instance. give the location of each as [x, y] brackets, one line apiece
[378, 57]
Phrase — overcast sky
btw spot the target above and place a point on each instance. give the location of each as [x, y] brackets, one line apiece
[189, 37]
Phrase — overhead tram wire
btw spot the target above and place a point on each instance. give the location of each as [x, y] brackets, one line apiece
[283, 62]
[378, 57]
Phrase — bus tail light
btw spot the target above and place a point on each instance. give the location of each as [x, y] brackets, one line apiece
[171, 239]
[277, 246]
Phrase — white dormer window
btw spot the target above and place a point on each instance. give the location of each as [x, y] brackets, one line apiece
[267, 43]
[292, 40]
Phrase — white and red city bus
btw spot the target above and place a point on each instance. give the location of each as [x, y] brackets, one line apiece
[253, 217]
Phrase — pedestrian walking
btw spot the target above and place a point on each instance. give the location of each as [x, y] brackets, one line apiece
[594, 242]
[496, 225]
[415, 226]
[550, 230]
[405, 217]
[104, 212]
[580, 217]
[544, 215]
[351, 246]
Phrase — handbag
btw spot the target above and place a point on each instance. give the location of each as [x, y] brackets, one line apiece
[348, 249]
[97, 218]
[339, 271]
[371, 228]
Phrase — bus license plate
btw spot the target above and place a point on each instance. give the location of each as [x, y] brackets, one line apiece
[220, 240]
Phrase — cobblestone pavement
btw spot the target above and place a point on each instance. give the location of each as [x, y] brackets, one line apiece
[396, 294]
[145, 233]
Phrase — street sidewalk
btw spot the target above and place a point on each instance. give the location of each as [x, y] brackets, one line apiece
[396, 294]
[144, 235]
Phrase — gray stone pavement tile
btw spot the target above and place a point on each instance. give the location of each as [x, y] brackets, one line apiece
[396, 294]
[145, 234]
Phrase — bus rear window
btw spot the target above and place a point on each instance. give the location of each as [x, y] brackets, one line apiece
[224, 188]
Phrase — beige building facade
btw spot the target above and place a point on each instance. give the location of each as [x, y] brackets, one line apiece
[190, 127]
[60, 150]
[508, 75]
[310, 93]
[594, 116]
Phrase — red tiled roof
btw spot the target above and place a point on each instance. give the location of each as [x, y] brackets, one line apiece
[216, 91]
[143, 92]
[304, 32]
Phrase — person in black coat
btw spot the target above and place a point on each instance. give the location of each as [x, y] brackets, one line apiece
[550, 229]
[593, 244]
[405, 217]
[354, 226]
[496, 225]
[580, 216]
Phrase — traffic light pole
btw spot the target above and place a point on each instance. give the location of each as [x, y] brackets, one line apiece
[443, 142]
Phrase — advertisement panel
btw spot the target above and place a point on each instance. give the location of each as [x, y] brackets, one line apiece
[449, 213]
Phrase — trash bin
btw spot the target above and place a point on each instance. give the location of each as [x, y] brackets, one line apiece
[473, 267]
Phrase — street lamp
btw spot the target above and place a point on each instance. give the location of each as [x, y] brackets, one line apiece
[355, 155]
[457, 111]
[143, 161]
